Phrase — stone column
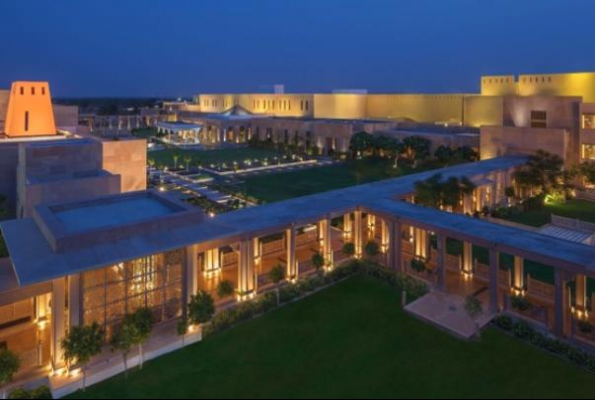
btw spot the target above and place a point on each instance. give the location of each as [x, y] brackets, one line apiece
[468, 205]
[390, 244]
[397, 247]
[441, 242]
[358, 235]
[467, 266]
[191, 281]
[347, 227]
[74, 300]
[421, 243]
[292, 267]
[385, 241]
[581, 293]
[58, 320]
[327, 240]
[246, 285]
[561, 306]
[494, 283]
[518, 278]
[257, 246]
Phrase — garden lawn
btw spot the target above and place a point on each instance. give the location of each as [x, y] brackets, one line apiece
[287, 185]
[350, 341]
[207, 157]
[576, 209]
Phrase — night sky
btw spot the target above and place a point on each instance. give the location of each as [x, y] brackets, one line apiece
[178, 48]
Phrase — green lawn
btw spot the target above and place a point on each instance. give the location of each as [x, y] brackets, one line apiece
[576, 209]
[287, 185]
[166, 157]
[350, 341]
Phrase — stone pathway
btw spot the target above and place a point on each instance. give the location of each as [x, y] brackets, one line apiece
[447, 312]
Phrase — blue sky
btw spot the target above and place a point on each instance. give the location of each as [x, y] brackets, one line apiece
[181, 47]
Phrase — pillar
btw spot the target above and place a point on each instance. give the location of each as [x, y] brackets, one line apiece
[74, 300]
[358, 235]
[347, 227]
[191, 280]
[494, 282]
[561, 306]
[421, 243]
[292, 267]
[390, 244]
[468, 205]
[397, 247]
[212, 261]
[467, 266]
[518, 278]
[246, 281]
[385, 240]
[327, 240]
[441, 242]
[581, 293]
[58, 320]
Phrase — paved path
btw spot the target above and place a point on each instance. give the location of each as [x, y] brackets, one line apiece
[447, 312]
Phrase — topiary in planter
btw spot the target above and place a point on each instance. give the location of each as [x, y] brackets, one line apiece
[225, 289]
[520, 303]
[349, 249]
[418, 265]
[277, 273]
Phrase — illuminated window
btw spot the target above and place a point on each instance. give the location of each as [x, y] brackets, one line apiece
[588, 121]
[538, 119]
[588, 151]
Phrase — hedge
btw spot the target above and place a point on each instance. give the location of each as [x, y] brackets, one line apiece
[290, 292]
[527, 333]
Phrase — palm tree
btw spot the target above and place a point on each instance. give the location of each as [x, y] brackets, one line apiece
[187, 161]
[176, 157]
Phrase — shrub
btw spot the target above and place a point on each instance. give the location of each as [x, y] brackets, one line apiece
[418, 265]
[317, 261]
[523, 330]
[503, 322]
[289, 293]
[267, 302]
[520, 303]
[42, 392]
[225, 289]
[372, 249]
[201, 308]
[349, 249]
[277, 273]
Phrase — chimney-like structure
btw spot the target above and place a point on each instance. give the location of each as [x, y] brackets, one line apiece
[30, 111]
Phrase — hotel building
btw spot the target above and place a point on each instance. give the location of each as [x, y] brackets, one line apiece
[89, 243]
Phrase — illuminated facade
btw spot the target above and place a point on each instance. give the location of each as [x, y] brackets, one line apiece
[91, 244]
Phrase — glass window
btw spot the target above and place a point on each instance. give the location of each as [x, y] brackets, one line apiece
[588, 121]
[589, 151]
[154, 282]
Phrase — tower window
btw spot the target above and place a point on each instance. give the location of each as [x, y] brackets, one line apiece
[26, 121]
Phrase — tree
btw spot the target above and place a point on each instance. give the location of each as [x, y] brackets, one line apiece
[444, 154]
[467, 154]
[176, 157]
[416, 148]
[360, 143]
[123, 340]
[187, 161]
[372, 249]
[474, 309]
[82, 344]
[429, 192]
[436, 193]
[224, 289]
[349, 249]
[142, 320]
[381, 145]
[587, 171]
[542, 173]
[9, 365]
[201, 308]
[317, 261]
[277, 273]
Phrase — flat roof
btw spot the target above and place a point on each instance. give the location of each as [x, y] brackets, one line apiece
[122, 211]
[36, 261]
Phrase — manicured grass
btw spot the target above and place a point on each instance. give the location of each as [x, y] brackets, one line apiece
[166, 157]
[576, 209]
[287, 185]
[350, 341]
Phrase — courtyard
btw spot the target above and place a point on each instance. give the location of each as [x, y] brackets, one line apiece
[573, 209]
[276, 187]
[204, 158]
[352, 341]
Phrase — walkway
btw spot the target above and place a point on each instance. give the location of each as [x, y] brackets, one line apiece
[447, 312]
